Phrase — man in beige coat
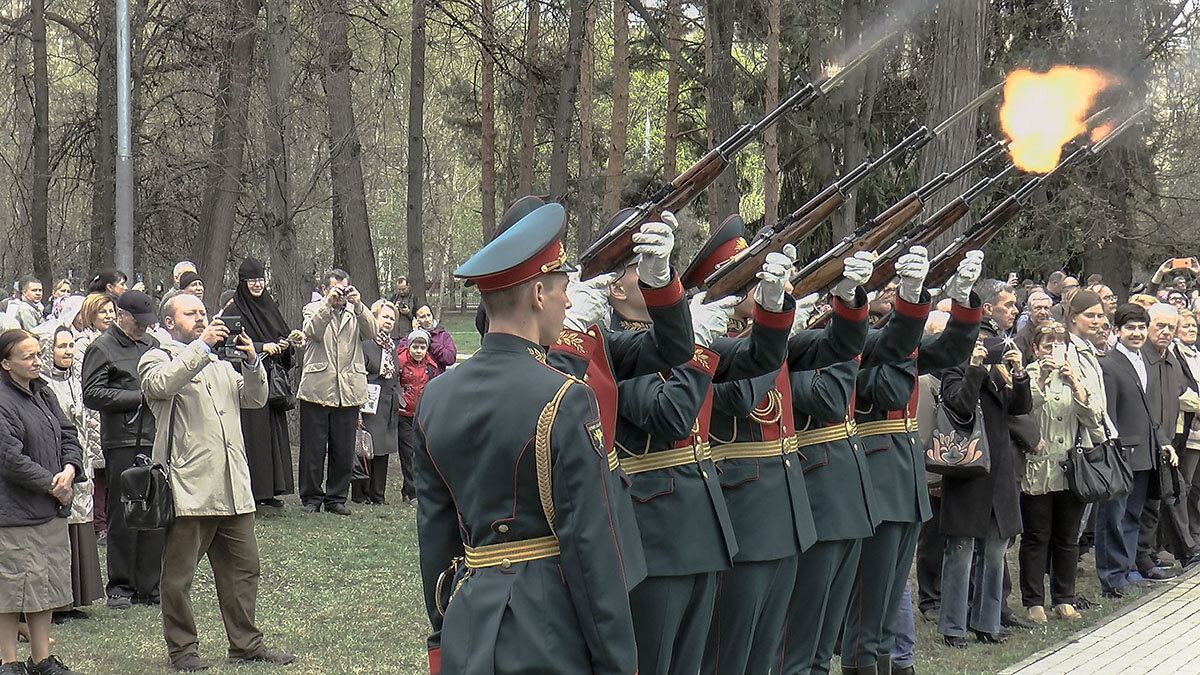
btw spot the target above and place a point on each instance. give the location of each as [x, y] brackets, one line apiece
[333, 385]
[198, 397]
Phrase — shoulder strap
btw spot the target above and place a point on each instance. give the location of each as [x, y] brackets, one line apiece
[541, 447]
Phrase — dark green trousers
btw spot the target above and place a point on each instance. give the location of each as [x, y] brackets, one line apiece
[824, 575]
[877, 592]
[747, 625]
[671, 616]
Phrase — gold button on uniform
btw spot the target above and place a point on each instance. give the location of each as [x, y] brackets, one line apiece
[502, 528]
[787, 462]
[704, 473]
[505, 563]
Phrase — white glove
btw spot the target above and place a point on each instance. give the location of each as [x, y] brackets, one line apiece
[912, 268]
[804, 312]
[654, 242]
[856, 271]
[959, 287]
[775, 274]
[589, 301]
[711, 320]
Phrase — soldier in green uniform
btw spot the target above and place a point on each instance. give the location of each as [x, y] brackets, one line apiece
[752, 436]
[886, 419]
[510, 467]
[599, 357]
[662, 440]
[839, 495]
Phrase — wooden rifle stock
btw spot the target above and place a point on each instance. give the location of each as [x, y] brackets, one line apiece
[739, 274]
[886, 225]
[615, 248]
[946, 262]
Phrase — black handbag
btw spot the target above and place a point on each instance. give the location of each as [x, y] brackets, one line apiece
[1170, 481]
[957, 448]
[280, 394]
[1098, 473]
[146, 499]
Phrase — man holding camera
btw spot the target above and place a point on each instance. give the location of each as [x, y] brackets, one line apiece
[197, 396]
[332, 387]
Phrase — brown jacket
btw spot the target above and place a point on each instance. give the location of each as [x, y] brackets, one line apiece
[334, 373]
[208, 470]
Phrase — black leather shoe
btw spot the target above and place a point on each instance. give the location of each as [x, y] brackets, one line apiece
[991, 638]
[119, 602]
[51, 666]
[956, 641]
[1112, 593]
[1013, 620]
[337, 509]
[14, 668]
[1156, 574]
[310, 508]
[1191, 561]
[860, 670]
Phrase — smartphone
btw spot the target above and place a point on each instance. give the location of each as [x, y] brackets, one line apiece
[995, 347]
[1014, 277]
[1181, 263]
[1058, 353]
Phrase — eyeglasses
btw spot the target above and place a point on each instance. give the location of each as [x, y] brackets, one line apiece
[256, 282]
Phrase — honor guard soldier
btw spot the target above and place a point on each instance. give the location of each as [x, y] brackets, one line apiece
[662, 440]
[600, 357]
[886, 419]
[512, 475]
[752, 437]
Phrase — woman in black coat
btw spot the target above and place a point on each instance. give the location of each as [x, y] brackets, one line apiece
[268, 446]
[379, 355]
[981, 514]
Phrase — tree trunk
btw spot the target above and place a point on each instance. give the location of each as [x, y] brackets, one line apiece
[771, 135]
[671, 124]
[614, 175]
[587, 190]
[719, 15]
[564, 116]
[223, 183]
[960, 33]
[287, 277]
[487, 110]
[104, 164]
[529, 103]
[858, 105]
[416, 155]
[40, 202]
[352, 246]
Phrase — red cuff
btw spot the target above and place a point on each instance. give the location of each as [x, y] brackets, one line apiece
[910, 309]
[966, 314]
[705, 360]
[777, 320]
[841, 309]
[435, 660]
[663, 297]
[576, 343]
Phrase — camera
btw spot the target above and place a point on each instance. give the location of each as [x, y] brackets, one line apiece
[229, 350]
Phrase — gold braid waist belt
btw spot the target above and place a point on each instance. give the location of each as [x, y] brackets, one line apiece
[826, 434]
[506, 554]
[881, 427]
[754, 449]
[666, 459]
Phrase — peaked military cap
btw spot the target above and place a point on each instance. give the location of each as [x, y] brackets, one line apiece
[618, 218]
[516, 211]
[530, 247]
[725, 242]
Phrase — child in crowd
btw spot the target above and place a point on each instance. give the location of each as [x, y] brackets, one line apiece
[415, 370]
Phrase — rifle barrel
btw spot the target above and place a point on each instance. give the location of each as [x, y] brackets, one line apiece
[975, 103]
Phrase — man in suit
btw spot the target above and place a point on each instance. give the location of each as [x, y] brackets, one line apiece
[1126, 383]
[536, 580]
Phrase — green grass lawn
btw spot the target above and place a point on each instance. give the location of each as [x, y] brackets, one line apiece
[343, 594]
[462, 328]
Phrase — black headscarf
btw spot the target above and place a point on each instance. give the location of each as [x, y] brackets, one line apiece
[260, 316]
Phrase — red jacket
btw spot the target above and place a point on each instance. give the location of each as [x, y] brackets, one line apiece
[412, 376]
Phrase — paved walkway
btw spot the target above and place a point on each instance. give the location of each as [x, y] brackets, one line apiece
[1160, 635]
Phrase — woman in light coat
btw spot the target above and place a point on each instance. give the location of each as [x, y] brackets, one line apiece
[97, 314]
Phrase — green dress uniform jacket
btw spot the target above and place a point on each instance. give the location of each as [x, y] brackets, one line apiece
[544, 588]
[601, 358]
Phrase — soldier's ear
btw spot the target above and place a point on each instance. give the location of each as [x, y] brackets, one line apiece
[537, 298]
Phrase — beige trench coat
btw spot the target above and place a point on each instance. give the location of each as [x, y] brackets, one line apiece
[208, 470]
[334, 373]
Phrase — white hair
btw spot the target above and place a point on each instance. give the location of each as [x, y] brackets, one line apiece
[1162, 309]
[183, 266]
[1038, 295]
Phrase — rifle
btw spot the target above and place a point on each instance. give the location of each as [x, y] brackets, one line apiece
[946, 262]
[615, 247]
[738, 275]
[820, 273]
